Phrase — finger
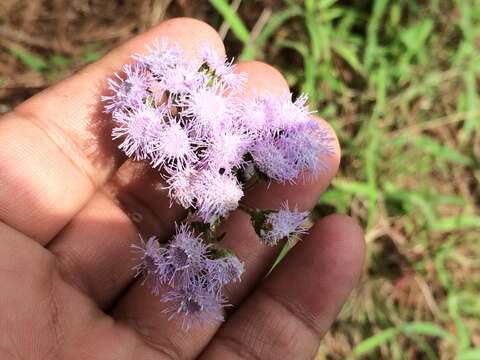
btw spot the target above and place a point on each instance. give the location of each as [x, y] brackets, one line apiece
[145, 311]
[94, 250]
[289, 312]
[56, 148]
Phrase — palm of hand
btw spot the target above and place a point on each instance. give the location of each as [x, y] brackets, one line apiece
[66, 281]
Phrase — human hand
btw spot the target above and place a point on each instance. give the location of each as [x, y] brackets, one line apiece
[71, 206]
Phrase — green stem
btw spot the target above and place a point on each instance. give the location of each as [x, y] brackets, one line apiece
[246, 209]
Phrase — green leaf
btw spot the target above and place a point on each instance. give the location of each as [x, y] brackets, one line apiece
[375, 341]
[457, 223]
[472, 121]
[443, 151]
[258, 219]
[31, 60]
[372, 48]
[93, 56]
[352, 187]
[463, 334]
[426, 329]
[59, 61]
[470, 354]
[349, 55]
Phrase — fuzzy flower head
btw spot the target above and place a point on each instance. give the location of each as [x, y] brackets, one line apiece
[194, 304]
[223, 271]
[209, 108]
[149, 255]
[216, 195]
[129, 91]
[222, 69]
[161, 56]
[132, 127]
[226, 149]
[274, 160]
[179, 185]
[182, 79]
[283, 224]
[306, 144]
[285, 112]
[171, 144]
[256, 115]
[186, 256]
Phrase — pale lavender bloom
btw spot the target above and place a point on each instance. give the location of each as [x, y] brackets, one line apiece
[129, 91]
[186, 254]
[171, 144]
[233, 268]
[161, 56]
[180, 184]
[256, 115]
[182, 79]
[150, 254]
[189, 118]
[273, 160]
[132, 126]
[285, 112]
[216, 195]
[209, 108]
[195, 304]
[223, 271]
[292, 142]
[306, 143]
[223, 68]
[226, 149]
[283, 224]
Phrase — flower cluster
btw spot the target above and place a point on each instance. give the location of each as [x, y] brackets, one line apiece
[194, 271]
[191, 120]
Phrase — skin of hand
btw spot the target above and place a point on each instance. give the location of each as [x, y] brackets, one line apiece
[71, 206]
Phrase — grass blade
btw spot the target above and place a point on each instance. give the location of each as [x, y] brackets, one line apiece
[32, 61]
[231, 17]
[375, 341]
[470, 354]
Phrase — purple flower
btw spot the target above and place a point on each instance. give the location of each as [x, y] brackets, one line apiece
[150, 254]
[256, 115]
[132, 126]
[223, 69]
[195, 304]
[226, 149]
[286, 113]
[192, 121]
[186, 256]
[283, 224]
[182, 79]
[292, 142]
[161, 56]
[305, 143]
[180, 184]
[223, 271]
[129, 92]
[274, 160]
[216, 195]
[171, 144]
[209, 108]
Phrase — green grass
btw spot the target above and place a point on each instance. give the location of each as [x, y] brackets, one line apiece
[398, 80]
